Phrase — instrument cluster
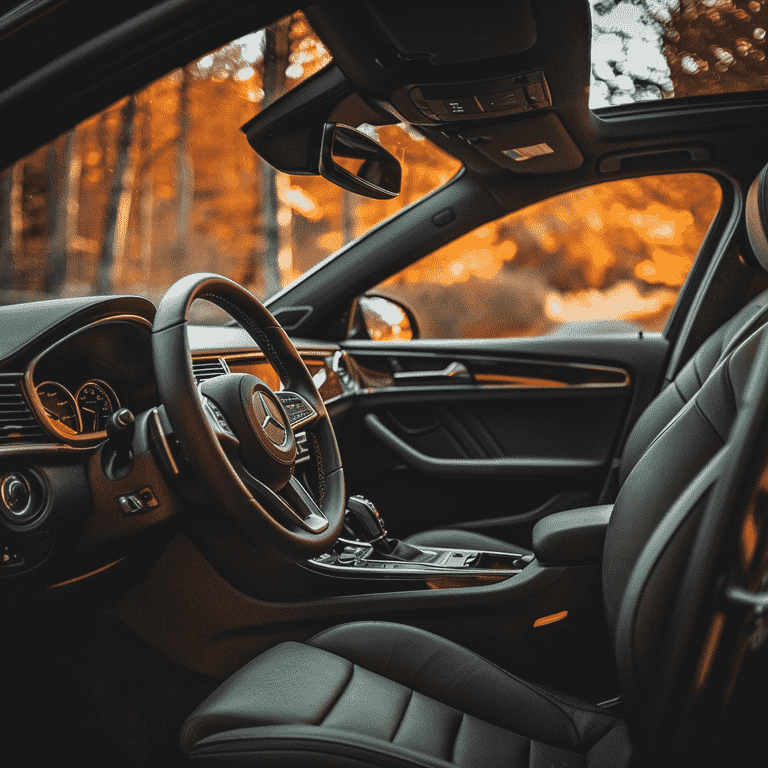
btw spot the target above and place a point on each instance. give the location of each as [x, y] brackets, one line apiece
[82, 413]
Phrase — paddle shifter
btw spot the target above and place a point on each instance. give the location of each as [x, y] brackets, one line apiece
[364, 519]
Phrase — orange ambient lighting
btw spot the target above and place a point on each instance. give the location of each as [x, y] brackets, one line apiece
[551, 619]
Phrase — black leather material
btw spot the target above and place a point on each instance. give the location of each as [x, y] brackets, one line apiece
[655, 418]
[647, 603]
[572, 537]
[376, 693]
[380, 694]
[690, 379]
[457, 539]
[756, 211]
[669, 465]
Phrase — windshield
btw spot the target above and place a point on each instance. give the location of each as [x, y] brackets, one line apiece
[163, 184]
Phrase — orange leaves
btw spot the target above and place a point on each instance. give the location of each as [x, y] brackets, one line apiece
[618, 251]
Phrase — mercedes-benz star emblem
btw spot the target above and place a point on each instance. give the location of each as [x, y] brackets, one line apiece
[272, 424]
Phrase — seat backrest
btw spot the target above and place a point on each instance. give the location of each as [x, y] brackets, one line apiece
[655, 518]
[724, 340]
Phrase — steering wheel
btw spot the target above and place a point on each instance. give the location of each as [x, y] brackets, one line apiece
[238, 436]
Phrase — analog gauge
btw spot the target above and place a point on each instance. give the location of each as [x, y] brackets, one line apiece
[59, 406]
[96, 401]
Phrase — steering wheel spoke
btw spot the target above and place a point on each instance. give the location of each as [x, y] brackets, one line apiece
[293, 506]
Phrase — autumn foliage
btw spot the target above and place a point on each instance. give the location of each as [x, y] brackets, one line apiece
[164, 183]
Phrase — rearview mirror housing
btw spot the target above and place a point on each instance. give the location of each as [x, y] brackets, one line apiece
[356, 162]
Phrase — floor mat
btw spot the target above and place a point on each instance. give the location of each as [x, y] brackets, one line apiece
[85, 689]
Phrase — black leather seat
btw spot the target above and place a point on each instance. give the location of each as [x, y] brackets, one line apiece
[674, 396]
[381, 694]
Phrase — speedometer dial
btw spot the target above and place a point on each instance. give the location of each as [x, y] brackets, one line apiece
[59, 406]
[96, 401]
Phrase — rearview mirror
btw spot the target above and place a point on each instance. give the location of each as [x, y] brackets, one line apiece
[356, 162]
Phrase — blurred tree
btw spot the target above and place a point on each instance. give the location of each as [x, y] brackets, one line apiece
[119, 202]
[184, 169]
[63, 171]
[717, 47]
[10, 222]
[268, 233]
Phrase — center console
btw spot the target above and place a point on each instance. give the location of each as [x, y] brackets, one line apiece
[367, 553]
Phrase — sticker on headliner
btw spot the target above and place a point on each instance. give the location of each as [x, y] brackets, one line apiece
[526, 153]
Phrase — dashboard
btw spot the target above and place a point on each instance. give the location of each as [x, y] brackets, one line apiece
[65, 368]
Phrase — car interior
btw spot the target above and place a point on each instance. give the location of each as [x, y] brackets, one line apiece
[286, 539]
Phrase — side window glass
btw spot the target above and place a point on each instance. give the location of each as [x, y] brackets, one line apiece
[611, 257]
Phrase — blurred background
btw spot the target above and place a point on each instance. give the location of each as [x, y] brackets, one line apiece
[163, 183]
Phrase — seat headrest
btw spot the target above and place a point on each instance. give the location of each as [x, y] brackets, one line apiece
[757, 217]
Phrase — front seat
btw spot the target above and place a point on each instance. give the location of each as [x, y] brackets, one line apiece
[382, 694]
[674, 396]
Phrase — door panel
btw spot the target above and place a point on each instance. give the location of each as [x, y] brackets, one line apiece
[491, 435]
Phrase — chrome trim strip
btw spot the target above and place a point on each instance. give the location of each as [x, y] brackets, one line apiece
[350, 571]
[470, 359]
[30, 449]
[417, 570]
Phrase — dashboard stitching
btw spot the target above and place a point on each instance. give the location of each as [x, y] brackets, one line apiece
[269, 350]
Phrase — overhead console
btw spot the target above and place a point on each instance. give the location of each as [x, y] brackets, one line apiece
[532, 143]
[474, 101]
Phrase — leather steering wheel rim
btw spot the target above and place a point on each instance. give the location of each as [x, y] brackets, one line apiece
[255, 510]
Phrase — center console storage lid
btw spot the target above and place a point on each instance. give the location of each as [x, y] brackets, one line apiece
[574, 536]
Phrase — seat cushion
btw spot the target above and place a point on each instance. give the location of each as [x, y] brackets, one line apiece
[382, 694]
[455, 538]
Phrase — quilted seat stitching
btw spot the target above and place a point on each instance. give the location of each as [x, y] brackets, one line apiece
[402, 716]
[341, 693]
[526, 684]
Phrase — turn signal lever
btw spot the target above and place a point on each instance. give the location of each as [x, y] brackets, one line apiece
[117, 454]
[364, 519]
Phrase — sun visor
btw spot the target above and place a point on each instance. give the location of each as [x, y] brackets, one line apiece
[450, 32]
[537, 145]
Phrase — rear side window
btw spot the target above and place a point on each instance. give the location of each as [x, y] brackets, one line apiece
[610, 257]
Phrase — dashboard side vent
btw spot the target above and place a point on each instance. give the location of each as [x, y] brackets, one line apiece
[209, 368]
[17, 422]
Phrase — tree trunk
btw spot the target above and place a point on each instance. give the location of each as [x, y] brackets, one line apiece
[119, 204]
[348, 206]
[267, 231]
[63, 169]
[185, 175]
[142, 266]
[10, 223]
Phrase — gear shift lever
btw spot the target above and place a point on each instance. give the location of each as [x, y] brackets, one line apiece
[364, 519]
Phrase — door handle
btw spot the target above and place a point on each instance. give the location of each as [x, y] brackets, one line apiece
[453, 372]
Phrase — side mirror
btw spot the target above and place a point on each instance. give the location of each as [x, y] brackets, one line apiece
[356, 162]
[379, 318]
